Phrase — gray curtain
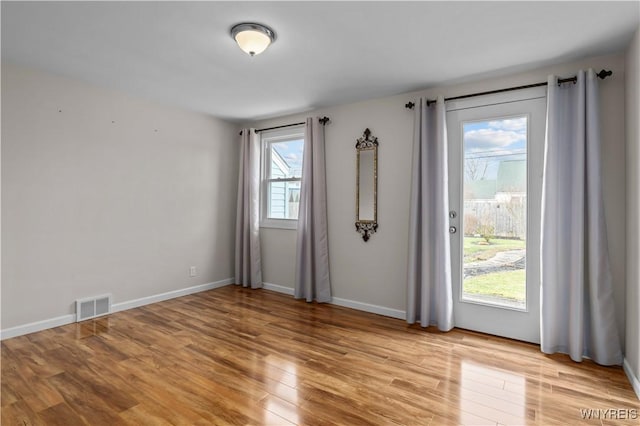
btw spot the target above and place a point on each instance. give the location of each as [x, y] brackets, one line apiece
[312, 256]
[248, 268]
[577, 310]
[429, 290]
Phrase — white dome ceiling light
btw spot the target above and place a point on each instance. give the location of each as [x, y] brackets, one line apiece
[253, 38]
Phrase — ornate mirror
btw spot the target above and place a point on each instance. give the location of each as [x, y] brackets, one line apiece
[367, 185]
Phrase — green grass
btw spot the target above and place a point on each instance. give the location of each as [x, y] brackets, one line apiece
[475, 248]
[507, 284]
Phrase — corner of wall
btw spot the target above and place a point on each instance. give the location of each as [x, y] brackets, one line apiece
[632, 135]
[633, 378]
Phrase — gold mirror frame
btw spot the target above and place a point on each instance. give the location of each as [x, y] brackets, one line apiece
[367, 226]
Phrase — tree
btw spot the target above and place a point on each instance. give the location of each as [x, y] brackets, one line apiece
[480, 224]
[475, 168]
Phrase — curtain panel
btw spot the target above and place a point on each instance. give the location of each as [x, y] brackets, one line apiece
[312, 281]
[577, 309]
[429, 291]
[248, 264]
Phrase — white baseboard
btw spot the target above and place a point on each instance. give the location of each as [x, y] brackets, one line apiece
[32, 327]
[278, 288]
[635, 382]
[366, 307]
[21, 330]
[360, 306]
[123, 306]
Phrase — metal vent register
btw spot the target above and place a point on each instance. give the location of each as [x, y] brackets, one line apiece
[92, 307]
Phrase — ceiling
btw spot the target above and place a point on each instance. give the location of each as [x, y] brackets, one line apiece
[327, 53]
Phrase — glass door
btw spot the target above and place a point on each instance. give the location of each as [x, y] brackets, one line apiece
[495, 177]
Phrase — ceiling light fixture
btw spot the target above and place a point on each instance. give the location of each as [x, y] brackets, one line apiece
[253, 38]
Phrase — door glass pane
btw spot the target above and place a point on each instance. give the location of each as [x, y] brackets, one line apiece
[495, 212]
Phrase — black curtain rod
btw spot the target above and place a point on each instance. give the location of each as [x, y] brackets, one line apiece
[602, 74]
[323, 120]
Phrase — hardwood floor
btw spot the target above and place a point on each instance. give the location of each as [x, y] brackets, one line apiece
[237, 356]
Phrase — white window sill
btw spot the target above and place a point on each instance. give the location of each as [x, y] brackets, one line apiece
[291, 224]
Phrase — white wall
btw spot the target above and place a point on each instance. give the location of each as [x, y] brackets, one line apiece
[632, 67]
[375, 272]
[105, 193]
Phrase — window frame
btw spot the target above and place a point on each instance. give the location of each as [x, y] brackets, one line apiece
[267, 138]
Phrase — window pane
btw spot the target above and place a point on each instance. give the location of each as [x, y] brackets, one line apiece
[284, 199]
[286, 159]
[495, 210]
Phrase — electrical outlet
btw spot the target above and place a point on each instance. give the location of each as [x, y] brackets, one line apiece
[192, 271]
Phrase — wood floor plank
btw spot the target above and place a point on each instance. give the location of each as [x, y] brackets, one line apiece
[20, 413]
[234, 356]
[61, 415]
[80, 395]
[142, 414]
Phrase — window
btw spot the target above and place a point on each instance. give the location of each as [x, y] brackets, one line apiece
[495, 211]
[281, 174]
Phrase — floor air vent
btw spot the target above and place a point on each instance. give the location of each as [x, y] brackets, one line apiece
[92, 307]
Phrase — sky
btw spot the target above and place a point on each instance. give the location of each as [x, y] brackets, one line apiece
[484, 142]
[291, 151]
[489, 142]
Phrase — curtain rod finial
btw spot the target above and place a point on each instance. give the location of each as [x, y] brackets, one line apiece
[409, 105]
[604, 74]
[324, 120]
